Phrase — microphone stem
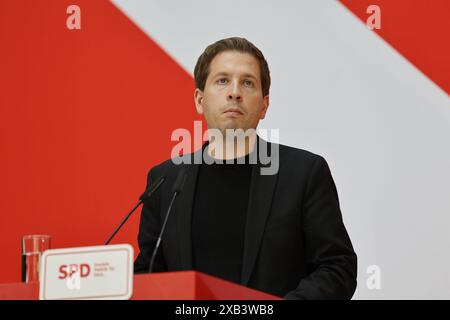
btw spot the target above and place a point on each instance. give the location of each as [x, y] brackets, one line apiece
[161, 233]
[123, 221]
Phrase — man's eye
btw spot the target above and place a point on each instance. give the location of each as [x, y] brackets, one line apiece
[222, 81]
[248, 83]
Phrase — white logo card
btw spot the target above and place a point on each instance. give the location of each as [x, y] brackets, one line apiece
[100, 272]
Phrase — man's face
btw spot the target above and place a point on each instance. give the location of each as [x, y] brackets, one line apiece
[232, 97]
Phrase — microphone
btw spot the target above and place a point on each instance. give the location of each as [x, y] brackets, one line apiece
[176, 189]
[147, 194]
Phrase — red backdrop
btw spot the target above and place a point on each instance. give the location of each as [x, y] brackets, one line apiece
[417, 29]
[83, 115]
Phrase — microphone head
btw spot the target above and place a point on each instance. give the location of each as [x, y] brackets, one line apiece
[179, 182]
[153, 187]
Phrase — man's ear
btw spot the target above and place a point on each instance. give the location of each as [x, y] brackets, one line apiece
[198, 99]
[265, 106]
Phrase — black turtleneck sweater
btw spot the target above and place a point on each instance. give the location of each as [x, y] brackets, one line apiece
[219, 218]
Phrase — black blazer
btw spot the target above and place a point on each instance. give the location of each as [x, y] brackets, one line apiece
[296, 245]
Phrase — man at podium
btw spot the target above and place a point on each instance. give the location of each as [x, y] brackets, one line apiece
[269, 222]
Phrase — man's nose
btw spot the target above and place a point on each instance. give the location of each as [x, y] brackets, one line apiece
[235, 93]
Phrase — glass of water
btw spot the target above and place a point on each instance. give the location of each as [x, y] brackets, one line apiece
[32, 248]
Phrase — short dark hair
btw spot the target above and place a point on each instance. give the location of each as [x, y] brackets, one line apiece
[201, 70]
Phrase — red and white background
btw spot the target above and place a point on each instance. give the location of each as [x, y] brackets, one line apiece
[84, 113]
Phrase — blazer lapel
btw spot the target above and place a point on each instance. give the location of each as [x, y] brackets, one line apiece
[183, 210]
[260, 198]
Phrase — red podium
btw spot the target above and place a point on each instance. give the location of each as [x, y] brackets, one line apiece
[182, 285]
